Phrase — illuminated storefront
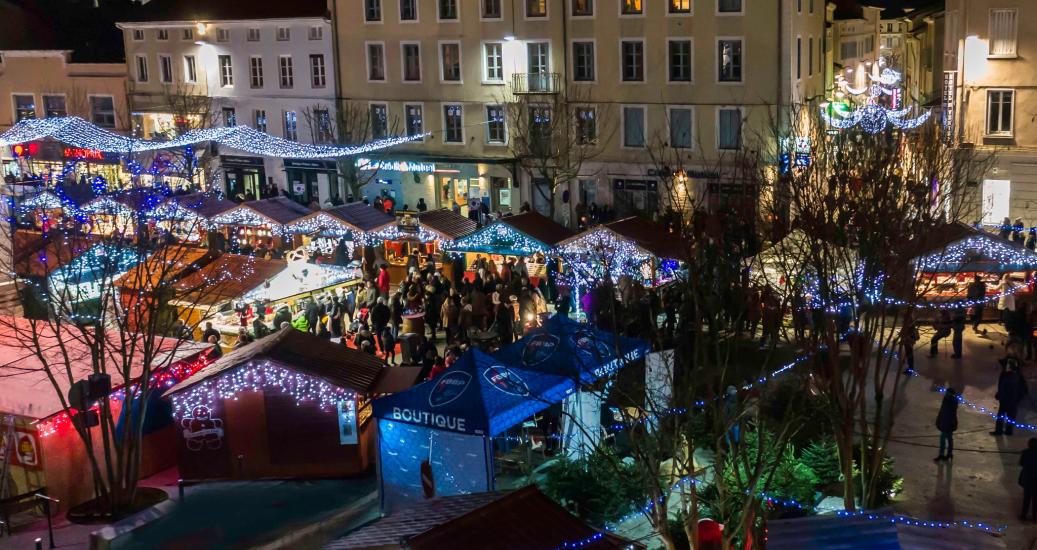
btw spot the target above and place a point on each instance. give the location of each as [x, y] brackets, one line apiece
[441, 183]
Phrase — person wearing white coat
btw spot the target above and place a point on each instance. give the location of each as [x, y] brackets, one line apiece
[1006, 300]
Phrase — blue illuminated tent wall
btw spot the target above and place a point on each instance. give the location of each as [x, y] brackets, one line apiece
[574, 350]
[449, 421]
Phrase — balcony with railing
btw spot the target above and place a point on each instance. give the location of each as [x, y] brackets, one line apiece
[535, 83]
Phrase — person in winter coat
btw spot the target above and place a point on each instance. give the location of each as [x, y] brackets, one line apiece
[947, 423]
[383, 281]
[283, 315]
[312, 316]
[369, 295]
[1011, 389]
[1028, 478]
[504, 321]
[450, 313]
[388, 346]
[380, 315]
[1006, 298]
[977, 293]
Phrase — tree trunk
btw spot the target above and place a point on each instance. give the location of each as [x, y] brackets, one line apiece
[844, 440]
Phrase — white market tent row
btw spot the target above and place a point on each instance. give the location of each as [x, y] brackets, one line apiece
[80, 133]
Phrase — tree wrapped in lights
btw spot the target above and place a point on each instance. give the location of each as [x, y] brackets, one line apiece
[108, 291]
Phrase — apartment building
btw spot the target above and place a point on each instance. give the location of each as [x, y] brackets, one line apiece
[991, 86]
[39, 79]
[268, 65]
[633, 76]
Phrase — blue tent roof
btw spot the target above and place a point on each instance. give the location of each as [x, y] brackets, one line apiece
[477, 395]
[567, 348]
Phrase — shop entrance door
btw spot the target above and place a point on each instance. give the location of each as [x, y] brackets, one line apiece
[304, 186]
[253, 185]
[636, 198]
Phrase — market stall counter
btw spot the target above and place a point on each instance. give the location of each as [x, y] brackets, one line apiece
[421, 235]
[530, 236]
[261, 224]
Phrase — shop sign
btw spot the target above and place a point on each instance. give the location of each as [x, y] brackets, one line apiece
[506, 380]
[301, 164]
[229, 161]
[383, 181]
[636, 185]
[505, 197]
[298, 187]
[395, 165]
[25, 451]
[80, 153]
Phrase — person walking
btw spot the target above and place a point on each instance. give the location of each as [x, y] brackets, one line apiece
[947, 423]
[958, 329]
[380, 316]
[383, 281]
[943, 329]
[977, 294]
[1028, 478]
[388, 346]
[1011, 389]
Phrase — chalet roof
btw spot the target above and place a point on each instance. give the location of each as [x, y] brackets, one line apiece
[539, 227]
[225, 278]
[25, 388]
[228, 10]
[280, 210]
[649, 235]
[206, 205]
[448, 224]
[471, 521]
[300, 352]
[356, 216]
[39, 256]
[180, 260]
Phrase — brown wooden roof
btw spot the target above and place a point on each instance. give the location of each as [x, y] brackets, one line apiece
[448, 224]
[206, 205]
[356, 216]
[304, 353]
[281, 210]
[39, 256]
[539, 227]
[226, 277]
[179, 260]
[649, 235]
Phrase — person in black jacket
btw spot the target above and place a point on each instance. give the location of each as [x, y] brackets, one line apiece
[1011, 389]
[504, 321]
[958, 328]
[1028, 478]
[977, 293]
[947, 423]
[312, 316]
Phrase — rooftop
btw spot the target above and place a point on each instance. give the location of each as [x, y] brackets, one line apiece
[448, 224]
[247, 273]
[227, 10]
[539, 227]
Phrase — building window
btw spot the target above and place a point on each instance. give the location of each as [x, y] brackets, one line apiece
[408, 10]
[256, 71]
[453, 124]
[491, 9]
[102, 111]
[586, 125]
[680, 128]
[633, 127]
[379, 120]
[583, 61]
[286, 71]
[376, 62]
[631, 7]
[447, 10]
[187, 34]
[680, 60]
[536, 8]
[1003, 26]
[1000, 110]
[54, 106]
[259, 120]
[253, 35]
[799, 6]
[810, 56]
[284, 34]
[450, 61]
[165, 68]
[583, 8]
[24, 107]
[411, 62]
[540, 130]
[142, 68]
[729, 6]
[729, 128]
[799, 58]
[495, 132]
[226, 71]
[415, 124]
[230, 117]
[291, 125]
[223, 35]
[190, 69]
[729, 60]
[680, 6]
[138, 35]
[493, 60]
[323, 131]
[316, 32]
[810, 5]
[372, 10]
[848, 50]
[163, 34]
[318, 73]
[633, 60]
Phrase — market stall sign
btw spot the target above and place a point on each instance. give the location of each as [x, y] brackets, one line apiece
[80, 153]
[395, 165]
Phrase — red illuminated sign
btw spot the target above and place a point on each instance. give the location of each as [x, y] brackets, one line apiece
[25, 149]
[81, 153]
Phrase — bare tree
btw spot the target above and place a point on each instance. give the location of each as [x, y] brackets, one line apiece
[352, 123]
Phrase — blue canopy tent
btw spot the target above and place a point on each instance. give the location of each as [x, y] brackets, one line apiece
[448, 422]
[576, 350]
[581, 353]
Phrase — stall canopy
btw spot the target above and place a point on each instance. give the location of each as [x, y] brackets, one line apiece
[127, 202]
[165, 265]
[632, 246]
[205, 206]
[520, 235]
[39, 255]
[958, 248]
[342, 221]
[478, 395]
[225, 278]
[650, 236]
[435, 225]
[300, 278]
[564, 347]
[273, 212]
